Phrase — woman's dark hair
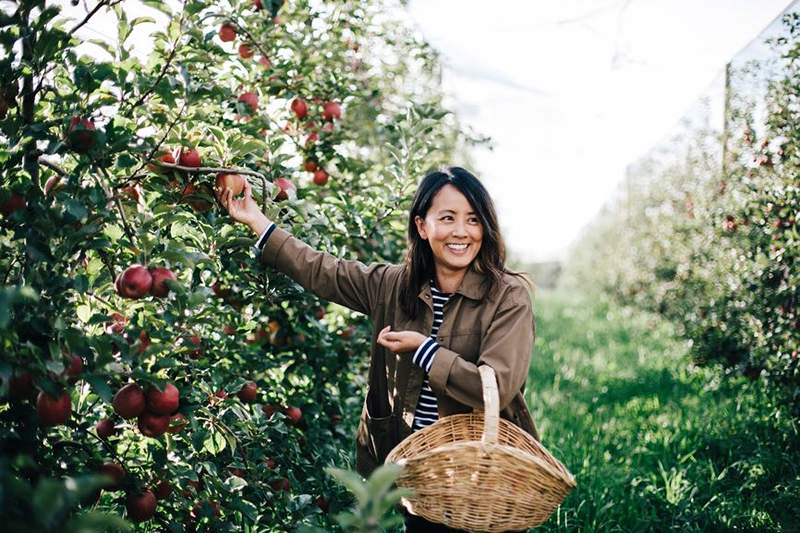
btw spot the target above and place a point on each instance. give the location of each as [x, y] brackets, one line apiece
[419, 264]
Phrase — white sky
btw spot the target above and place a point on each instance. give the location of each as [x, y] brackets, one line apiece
[571, 91]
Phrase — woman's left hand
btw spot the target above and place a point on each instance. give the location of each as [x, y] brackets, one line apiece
[400, 341]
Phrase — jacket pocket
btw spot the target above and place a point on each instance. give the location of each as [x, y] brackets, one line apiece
[382, 431]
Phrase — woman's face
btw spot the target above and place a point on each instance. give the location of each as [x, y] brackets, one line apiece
[452, 228]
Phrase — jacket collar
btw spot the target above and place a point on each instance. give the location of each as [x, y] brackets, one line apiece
[473, 285]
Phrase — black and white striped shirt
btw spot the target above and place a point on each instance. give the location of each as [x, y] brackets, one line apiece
[427, 407]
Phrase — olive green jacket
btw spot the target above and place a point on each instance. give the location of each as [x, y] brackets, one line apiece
[480, 327]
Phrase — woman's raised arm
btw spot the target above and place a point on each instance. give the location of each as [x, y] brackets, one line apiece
[346, 282]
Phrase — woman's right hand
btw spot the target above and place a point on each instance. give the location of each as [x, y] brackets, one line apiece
[245, 209]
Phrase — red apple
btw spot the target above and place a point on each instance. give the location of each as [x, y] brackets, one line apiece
[164, 158]
[190, 195]
[227, 32]
[248, 393]
[152, 425]
[257, 5]
[227, 329]
[268, 410]
[221, 394]
[141, 507]
[131, 191]
[281, 484]
[81, 134]
[189, 158]
[144, 341]
[197, 343]
[310, 165]
[116, 472]
[294, 414]
[245, 51]
[250, 99]
[176, 423]
[160, 276]
[234, 182]
[163, 402]
[322, 503]
[312, 138]
[52, 184]
[264, 62]
[200, 506]
[53, 411]
[135, 282]
[283, 187]
[163, 489]
[331, 111]
[104, 428]
[15, 202]
[320, 177]
[299, 107]
[270, 463]
[129, 401]
[75, 366]
[20, 387]
[117, 325]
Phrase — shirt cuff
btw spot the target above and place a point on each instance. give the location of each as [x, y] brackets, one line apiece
[425, 354]
[262, 239]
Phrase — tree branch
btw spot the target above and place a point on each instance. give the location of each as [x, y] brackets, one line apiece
[92, 13]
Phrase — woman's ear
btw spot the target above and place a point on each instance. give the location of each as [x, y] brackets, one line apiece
[420, 222]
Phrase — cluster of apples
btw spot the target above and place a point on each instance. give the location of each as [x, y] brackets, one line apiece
[155, 410]
[227, 34]
[137, 281]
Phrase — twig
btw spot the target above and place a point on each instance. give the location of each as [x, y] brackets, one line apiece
[115, 198]
[160, 76]
[91, 14]
[52, 166]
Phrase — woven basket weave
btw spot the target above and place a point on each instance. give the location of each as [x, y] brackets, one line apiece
[480, 473]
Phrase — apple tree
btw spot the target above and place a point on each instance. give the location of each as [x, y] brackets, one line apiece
[152, 370]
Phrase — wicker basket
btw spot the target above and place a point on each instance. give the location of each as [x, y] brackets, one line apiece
[480, 474]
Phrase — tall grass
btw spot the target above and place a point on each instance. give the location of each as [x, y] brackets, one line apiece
[655, 443]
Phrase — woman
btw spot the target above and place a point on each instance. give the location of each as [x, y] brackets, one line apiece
[449, 308]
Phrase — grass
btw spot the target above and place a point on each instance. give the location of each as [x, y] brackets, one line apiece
[655, 443]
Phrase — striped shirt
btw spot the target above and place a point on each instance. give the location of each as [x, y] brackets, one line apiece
[427, 407]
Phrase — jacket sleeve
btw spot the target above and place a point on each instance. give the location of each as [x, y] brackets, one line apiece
[348, 283]
[506, 347]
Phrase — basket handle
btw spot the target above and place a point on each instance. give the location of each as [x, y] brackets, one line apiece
[491, 404]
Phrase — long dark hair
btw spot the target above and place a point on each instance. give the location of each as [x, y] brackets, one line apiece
[419, 265]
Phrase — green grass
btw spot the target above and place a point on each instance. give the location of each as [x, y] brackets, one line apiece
[655, 443]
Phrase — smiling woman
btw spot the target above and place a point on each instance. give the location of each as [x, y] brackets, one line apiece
[451, 307]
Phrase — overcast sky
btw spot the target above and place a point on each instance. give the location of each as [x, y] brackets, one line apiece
[573, 90]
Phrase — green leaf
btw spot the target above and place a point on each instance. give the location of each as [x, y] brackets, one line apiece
[352, 482]
[84, 312]
[214, 443]
[100, 386]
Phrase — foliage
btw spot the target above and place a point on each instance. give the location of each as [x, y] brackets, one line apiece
[705, 229]
[85, 194]
[374, 499]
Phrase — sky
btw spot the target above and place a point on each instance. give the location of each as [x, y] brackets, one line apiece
[571, 91]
